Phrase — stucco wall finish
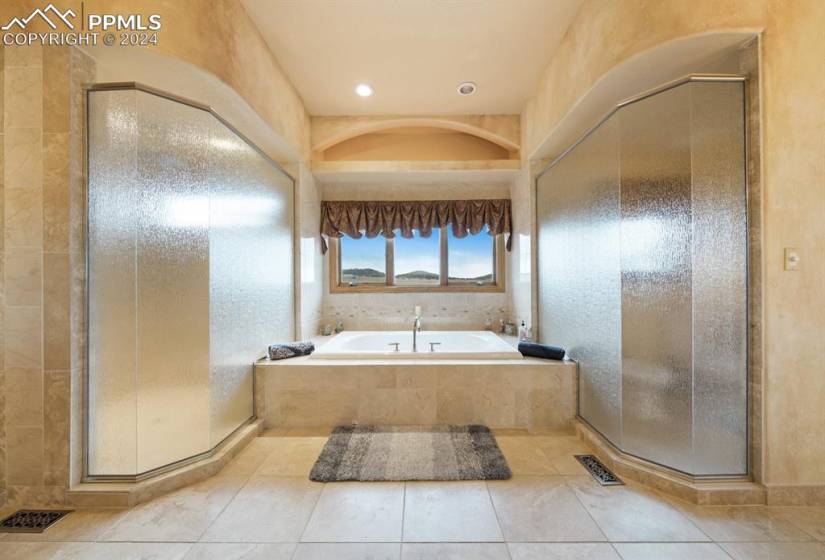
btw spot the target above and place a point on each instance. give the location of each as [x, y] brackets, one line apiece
[605, 34]
[220, 38]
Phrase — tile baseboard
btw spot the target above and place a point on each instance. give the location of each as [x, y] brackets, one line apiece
[126, 494]
[796, 494]
[697, 491]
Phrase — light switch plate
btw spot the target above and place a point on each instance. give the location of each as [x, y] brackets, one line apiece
[791, 258]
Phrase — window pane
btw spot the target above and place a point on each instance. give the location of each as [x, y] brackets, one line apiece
[471, 259]
[417, 260]
[363, 261]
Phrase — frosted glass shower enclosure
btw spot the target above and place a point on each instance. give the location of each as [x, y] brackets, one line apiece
[642, 274]
[190, 276]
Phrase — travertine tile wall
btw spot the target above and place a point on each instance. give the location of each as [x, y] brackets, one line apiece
[520, 259]
[40, 128]
[440, 311]
[311, 262]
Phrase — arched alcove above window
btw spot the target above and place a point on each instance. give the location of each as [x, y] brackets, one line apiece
[442, 138]
[416, 144]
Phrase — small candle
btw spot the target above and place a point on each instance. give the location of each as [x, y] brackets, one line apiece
[418, 311]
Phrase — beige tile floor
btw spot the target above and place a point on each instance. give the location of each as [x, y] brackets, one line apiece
[263, 507]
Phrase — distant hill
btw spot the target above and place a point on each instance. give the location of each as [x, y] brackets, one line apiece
[414, 275]
[362, 272]
[418, 275]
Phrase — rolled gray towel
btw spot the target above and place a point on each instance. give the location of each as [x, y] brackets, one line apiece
[291, 350]
[541, 351]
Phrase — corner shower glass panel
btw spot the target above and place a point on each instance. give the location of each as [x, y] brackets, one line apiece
[642, 254]
[190, 276]
[580, 275]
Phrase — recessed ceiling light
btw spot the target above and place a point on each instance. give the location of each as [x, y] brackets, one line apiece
[466, 88]
[364, 90]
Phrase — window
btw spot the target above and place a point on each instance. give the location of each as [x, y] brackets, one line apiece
[471, 260]
[363, 261]
[417, 260]
[440, 262]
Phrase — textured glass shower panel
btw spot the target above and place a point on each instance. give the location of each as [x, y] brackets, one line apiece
[251, 273]
[673, 388]
[656, 278]
[173, 281]
[579, 277]
[190, 277]
[112, 390]
[719, 279]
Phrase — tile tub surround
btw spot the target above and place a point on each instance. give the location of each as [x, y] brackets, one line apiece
[394, 311]
[528, 393]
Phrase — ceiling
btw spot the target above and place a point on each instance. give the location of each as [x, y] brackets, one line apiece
[413, 52]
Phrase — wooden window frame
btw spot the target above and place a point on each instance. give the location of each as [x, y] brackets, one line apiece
[336, 287]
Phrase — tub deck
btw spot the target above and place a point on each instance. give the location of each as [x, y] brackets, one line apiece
[526, 393]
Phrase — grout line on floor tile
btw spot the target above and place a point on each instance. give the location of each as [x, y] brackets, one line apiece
[665, 499]
[403, 509]
[226, 505]
[498, 520]
[814, 538]
[584, 507]
[658, 543]
[350, 542]
[311, 513]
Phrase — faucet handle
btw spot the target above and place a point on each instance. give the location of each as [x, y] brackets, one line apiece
[394, 344]
[433, 345]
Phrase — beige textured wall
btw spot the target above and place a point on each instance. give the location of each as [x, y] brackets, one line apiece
[216, 36]
[504, 130]
[415, 144]
[607, 33]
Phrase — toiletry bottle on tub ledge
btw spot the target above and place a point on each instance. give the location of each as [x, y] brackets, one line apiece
[522, 332]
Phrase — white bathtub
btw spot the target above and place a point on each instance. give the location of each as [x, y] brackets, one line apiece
[380, 345]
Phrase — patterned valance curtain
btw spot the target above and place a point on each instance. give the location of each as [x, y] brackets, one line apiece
[384, 217]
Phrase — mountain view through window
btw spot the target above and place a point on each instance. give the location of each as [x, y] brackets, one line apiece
[363, 261]
[470, 260]
[417, 261]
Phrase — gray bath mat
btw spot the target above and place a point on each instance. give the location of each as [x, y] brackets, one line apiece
[373, 453]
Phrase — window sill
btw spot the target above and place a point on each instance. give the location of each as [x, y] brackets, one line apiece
[367, 289]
